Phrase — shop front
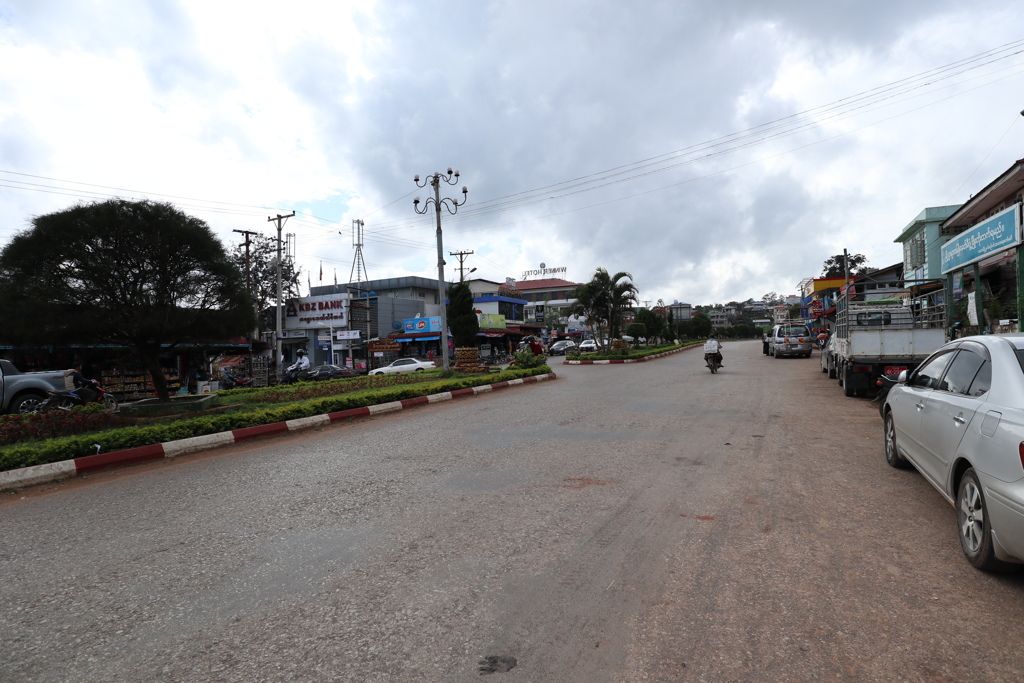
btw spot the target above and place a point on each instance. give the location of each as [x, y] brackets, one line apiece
[319, 325]
[421, 338]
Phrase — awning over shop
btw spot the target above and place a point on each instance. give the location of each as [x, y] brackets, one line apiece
[827, 313]
[230, 361]
[414, 336]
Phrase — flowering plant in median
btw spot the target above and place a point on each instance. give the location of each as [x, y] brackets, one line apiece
[54, 423]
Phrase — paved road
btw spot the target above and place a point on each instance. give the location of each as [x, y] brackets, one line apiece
[648, 522]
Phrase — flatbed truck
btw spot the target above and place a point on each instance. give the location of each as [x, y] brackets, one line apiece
[884, 336]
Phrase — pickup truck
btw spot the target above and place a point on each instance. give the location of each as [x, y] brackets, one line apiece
[883, 337]
[22, 392]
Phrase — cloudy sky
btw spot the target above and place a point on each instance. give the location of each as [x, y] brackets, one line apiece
[714, 150]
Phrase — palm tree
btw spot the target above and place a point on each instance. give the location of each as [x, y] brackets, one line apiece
[603, 300]
[588, 306]
[622, 296]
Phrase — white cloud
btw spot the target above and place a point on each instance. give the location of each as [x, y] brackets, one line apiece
[329, 108]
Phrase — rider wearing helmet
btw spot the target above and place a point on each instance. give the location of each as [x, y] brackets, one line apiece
[712, 345]
[301, 364]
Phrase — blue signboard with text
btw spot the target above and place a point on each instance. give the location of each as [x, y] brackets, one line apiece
[985, 239]
[431, 324]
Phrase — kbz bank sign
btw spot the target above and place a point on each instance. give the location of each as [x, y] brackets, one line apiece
[329, 310]
[998, 233]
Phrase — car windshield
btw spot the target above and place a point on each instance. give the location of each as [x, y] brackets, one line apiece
[794, 331]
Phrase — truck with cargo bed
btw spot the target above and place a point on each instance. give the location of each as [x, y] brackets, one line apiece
[884, 336]
[22, 392]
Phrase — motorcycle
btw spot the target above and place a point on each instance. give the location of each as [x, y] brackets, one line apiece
[294, 375]
[230, 381]
[884, 383]
[713, 361]
[66, 400]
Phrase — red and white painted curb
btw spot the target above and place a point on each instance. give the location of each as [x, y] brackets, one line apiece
[40, 474]
[628, 360]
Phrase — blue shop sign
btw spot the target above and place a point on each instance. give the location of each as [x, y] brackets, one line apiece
[431, 324]
[999, 232]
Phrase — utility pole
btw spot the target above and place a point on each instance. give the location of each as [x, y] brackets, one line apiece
[434, 180]
[461, 255]
[248, 277]
[280, 223]
[248, 280]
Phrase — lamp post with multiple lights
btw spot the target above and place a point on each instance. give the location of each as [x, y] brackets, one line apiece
[434, 180]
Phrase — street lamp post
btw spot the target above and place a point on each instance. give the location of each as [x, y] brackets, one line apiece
[434, 180]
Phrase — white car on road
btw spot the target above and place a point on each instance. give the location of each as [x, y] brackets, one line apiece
[405, 365]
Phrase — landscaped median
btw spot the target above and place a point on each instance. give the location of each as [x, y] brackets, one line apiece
[39, 462]
[634, 357]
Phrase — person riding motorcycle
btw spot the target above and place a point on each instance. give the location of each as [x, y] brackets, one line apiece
[714, 346]
[301, 366]
[75, 381]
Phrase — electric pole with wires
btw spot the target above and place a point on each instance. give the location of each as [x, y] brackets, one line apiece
[280, 224]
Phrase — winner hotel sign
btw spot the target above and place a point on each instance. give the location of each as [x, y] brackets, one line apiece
[543, 271]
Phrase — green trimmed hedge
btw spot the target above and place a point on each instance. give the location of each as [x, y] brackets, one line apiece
[616, 355]
[67, 448]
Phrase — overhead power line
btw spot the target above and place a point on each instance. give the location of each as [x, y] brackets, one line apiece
[900, 91]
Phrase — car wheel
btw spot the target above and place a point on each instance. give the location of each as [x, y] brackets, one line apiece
[974, 525]
[847, 384]
[831, 370]
[892, 453]
[29, 403]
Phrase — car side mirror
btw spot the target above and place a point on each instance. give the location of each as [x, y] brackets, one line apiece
[902, 379]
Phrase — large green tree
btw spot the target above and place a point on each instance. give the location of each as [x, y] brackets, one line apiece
[670, 327]
[700, 325]
[461, 315]
[833, 266]
[140, 274]
[258, 263]
[653, 322]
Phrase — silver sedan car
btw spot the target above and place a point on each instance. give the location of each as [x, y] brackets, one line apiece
[958, 418]
[403, 365]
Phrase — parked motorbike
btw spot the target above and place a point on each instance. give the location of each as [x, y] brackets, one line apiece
[713, 361]
[884, 383]
[229, 381]
[66, 400]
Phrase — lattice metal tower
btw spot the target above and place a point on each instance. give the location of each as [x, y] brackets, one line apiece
[358, 264]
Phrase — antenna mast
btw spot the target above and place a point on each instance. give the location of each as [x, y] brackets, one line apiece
[358, 265]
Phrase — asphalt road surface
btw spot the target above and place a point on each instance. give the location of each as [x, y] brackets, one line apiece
[644, 522]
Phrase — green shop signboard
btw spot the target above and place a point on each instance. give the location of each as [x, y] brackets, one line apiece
[985, 239]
